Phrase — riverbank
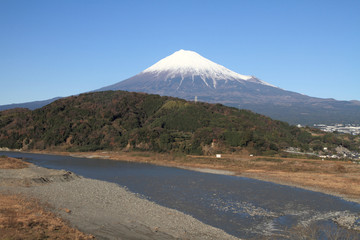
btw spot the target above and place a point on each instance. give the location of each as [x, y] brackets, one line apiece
[338, 178]
[22, 217]
[102, 209]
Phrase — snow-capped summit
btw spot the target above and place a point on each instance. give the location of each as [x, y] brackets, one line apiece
[189, 63]
[185, 63]
[187, 74]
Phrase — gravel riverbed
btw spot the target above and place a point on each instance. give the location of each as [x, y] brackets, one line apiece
[104, 209]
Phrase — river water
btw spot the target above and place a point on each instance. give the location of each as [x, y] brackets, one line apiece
[243, 207]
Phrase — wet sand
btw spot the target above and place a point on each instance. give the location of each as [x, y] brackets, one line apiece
[104, 209]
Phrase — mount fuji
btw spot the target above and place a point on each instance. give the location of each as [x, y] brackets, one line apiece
[188, 75]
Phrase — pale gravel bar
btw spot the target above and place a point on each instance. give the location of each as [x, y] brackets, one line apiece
[105, 209]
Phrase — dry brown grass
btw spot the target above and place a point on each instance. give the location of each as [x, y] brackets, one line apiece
[22, 218]
[12, 163]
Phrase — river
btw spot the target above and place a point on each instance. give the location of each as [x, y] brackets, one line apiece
[243, 207]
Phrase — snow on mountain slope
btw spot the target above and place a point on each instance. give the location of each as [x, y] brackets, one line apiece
[184, 64]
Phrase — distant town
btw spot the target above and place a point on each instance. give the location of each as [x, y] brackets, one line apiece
[340, 152]
[353, 129]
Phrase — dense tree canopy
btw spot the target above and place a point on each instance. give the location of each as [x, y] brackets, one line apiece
[117, 120]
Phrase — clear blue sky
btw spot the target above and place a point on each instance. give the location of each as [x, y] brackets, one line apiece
[55, 48]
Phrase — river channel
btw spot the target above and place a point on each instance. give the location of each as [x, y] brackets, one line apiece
[243, 207]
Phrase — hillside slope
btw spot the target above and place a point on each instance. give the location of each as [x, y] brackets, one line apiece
[117, 120]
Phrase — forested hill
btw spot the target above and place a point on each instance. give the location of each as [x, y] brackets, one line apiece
[118, 120]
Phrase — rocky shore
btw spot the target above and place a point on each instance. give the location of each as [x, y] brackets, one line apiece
[104, 209]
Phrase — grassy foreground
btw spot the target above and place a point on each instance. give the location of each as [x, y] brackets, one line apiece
[338, 178]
